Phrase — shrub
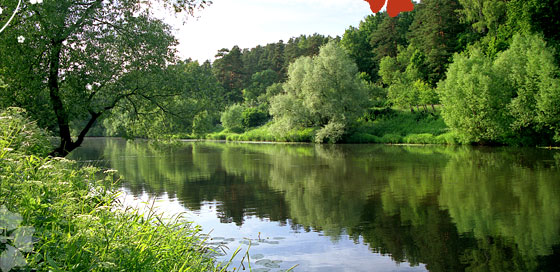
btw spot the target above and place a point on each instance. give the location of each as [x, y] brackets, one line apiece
[512, 98]
[424, 138]
[232, 118]
[391, 139]
[451, 138]
[300, 135]
[19, 133]
[331, 133]
[202, 123]
[254, 117]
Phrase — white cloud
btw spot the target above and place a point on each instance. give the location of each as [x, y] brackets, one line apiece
[248, 23]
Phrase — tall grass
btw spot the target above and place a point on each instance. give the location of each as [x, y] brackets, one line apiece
[78, 225]
[389, 127]
[396, 127]
[264, 133]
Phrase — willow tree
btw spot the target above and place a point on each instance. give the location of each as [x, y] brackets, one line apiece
[322, 92]
[71, 61]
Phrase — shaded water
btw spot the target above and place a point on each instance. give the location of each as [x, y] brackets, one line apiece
[355, 207]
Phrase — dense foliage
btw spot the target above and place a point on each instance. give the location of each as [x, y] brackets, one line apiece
[114, 63]
[514, 97]
[56, 216]
[501, 88]
[324, 91]
[71, 62]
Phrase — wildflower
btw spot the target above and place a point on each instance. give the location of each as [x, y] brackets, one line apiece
[21, 39]
[46, 166]
[1, 10]
[89, 87]
[33, 2]
[61, 159]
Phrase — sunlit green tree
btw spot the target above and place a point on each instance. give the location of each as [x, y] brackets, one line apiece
[474, 98]
[81, 59]
[513, 98]
[324, 91]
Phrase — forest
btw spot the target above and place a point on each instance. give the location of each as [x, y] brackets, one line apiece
[449, 72]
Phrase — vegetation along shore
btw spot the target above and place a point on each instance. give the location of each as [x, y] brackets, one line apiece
[480, 72]
[483, 72]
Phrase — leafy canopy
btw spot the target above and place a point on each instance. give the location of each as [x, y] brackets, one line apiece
[514, 96]
[79, 59]
[324, 91]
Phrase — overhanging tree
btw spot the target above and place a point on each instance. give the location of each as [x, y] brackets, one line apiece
[71, 61]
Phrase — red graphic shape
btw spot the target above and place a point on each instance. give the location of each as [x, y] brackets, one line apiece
[394, 7]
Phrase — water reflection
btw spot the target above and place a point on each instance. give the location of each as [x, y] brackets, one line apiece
[450, 208]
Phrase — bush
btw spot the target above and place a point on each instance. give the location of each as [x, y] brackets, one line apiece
[511, 99]
[202, 123]
[324, 90]
[391, 139]
[19, 133]
[232, 118]
[299, 135]
[450, 138]
[331, 133]
[254, 117]
[362, 138]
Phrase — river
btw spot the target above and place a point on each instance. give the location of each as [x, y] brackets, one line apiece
[352, 207]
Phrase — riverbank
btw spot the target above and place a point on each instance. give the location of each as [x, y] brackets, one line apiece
[387, 127]
[58, 216]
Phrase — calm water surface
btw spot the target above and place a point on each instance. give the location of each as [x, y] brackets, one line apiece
[354, 207]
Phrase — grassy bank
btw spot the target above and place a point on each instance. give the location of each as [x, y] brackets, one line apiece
[396, 126]
[385, 126]
[58, 216]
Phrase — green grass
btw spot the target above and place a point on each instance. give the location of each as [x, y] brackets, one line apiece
[263, 134]
[403, 127]
[406, 123]
[77, 224]
[389, 127]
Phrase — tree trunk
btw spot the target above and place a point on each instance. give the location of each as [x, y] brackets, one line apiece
[66, 144]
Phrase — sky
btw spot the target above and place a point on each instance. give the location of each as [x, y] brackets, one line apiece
[248, 23]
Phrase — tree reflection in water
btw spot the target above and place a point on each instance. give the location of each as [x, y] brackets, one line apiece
[451, 208]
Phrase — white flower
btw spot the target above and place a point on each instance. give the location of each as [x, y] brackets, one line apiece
[65, 42]
[89, 87]
[33, 2]
[1, 10]
[21, 39]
